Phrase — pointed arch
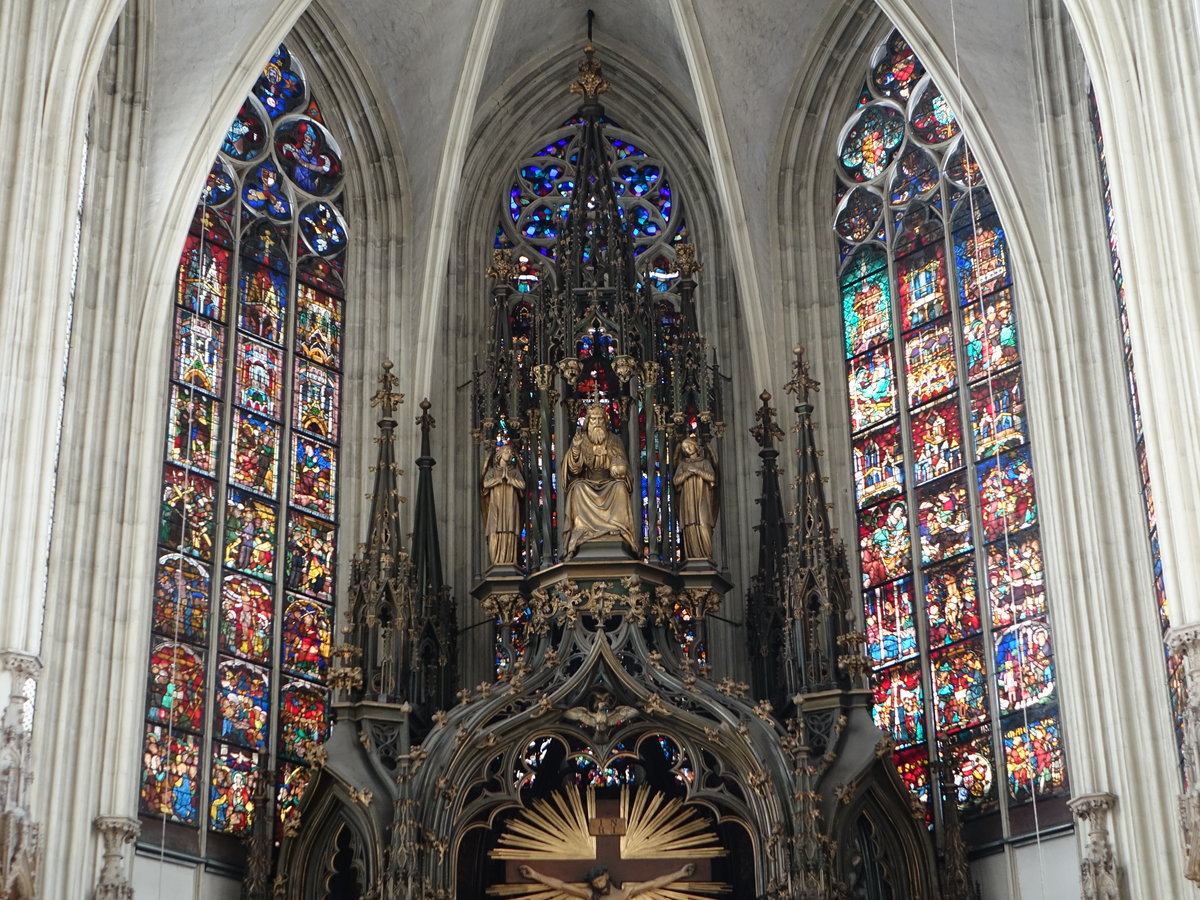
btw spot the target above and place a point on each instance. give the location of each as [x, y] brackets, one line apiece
[535, 101]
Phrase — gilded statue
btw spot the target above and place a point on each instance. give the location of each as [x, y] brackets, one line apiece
[501, 489]
[695, 480]
[599, 885]
[598, 485]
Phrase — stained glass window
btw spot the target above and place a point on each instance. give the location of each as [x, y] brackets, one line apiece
[956, 619]
[1175, 684]
[244, 585]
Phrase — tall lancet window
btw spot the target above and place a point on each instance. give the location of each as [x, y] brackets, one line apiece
[246, 545]
[1173, 662]
[956, 612]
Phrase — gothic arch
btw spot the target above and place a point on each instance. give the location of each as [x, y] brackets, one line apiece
[1062, 278]
[881, 799]
[520, 111]
[310, 861]
[122, 312]
[727, 749]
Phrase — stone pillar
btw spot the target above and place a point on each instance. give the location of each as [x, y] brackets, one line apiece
[1098, 869]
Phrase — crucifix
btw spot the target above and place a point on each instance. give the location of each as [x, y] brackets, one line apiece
[616, 849]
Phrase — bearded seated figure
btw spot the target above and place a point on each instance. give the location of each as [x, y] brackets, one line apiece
[598, 486]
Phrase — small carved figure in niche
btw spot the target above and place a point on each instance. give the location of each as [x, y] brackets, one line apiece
[501, 488]
[601, 886]
[598, 485]
[695, 481]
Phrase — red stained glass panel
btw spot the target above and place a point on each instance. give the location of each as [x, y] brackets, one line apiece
[937, 441]
[1006, 496]
[306, 637]
[929, 362]
[884, 543]
[899, 703]
[246, 614]
[878, 465]
[176, 686]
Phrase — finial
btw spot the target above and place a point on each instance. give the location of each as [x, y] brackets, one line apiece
[766, 432]
[802, 383]
[591, 83]
[685, 256]
[387, 396]
[425, 420]
[503, 267]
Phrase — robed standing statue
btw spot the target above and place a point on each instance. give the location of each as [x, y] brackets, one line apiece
[695, 481]
[501, 488]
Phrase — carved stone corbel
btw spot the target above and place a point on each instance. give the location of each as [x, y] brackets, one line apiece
[1097, 866]
[117, 832]
[1185, 643]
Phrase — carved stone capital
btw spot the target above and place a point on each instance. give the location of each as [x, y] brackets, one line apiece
[1098, 869]
[117, 832]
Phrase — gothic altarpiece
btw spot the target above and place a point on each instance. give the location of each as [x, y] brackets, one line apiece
[602, 761]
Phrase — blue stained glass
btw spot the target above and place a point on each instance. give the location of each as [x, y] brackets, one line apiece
[625, 150]
[541, 179]
[541, 224]
[558, 148]
[663, 201]
[516, 202]
[280, 87]
[640, 179]
[219, 186]
[263, 193]
[641, 224]
[323, 229]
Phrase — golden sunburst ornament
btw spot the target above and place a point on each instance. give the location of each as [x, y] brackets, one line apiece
[571, 834]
